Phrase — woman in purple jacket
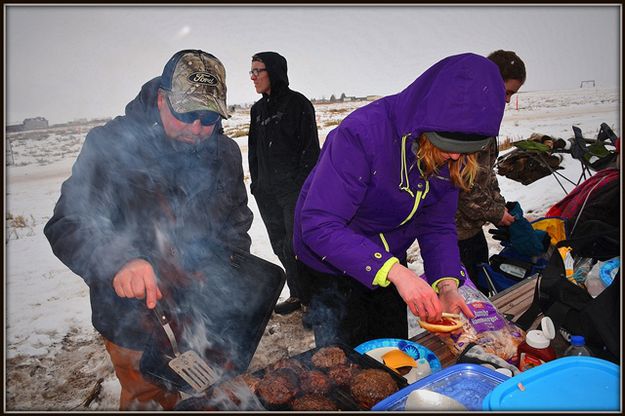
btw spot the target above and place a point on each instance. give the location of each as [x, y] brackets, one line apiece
[387, 175]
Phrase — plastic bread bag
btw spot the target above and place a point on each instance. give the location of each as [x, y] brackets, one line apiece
[488, 329]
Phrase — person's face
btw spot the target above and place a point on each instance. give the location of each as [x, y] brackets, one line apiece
[447, 156]
[261, 81]
[512, 86]
[175, 129]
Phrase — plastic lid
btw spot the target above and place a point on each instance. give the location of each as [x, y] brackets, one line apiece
[536, 339]
[549, 330]
[577, 340]
[575, 384]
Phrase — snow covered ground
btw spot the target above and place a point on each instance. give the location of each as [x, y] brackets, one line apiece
[53, 358]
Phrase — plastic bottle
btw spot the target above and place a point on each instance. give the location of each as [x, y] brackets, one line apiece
[593, 282]
[536, 348]
[608, 271]
[578, 347]
[581, 268]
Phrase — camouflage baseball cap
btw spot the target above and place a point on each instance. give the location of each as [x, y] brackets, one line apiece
[195, 81]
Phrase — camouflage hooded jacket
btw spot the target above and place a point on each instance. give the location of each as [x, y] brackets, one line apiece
[483, 203]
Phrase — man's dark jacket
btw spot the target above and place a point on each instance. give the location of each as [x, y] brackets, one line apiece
[283, 139]
[135, 193]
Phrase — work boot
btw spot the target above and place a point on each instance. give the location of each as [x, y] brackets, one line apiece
[288, 306]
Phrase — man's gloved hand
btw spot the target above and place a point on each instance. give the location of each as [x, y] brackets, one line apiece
[520, 235]
[501, 234]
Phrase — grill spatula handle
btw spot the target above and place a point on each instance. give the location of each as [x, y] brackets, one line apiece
[164, 321]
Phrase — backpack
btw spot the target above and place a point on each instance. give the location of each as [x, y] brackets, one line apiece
[509, 266]
[570, 306]
[596, 197]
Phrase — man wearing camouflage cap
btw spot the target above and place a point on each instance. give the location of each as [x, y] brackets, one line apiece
[151, 188]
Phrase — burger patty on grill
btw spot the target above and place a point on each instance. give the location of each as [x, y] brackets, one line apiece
[315, 381]
[289, 363]
[341, 375]
[277, 388]
[313, 402]
[372, 385]
[328, 357]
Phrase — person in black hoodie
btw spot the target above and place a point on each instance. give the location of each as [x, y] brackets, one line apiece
[149, 193]
[283, 149]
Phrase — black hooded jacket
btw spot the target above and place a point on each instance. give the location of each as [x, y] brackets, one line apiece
[135, 193]
[283, 139]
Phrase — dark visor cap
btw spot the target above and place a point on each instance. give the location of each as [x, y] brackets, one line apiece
[452, 142]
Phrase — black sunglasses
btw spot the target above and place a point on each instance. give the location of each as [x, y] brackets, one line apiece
[207, 118]
[256, 71]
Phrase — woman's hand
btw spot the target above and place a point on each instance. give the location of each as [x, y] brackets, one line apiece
[137, 280]
[416, 292]
[451, 299]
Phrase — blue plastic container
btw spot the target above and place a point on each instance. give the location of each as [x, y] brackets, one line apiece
[565, 384]
[466, 383]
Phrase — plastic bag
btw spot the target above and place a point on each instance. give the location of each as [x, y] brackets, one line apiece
[488, 329]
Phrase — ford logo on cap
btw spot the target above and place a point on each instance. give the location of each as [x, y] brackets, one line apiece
[203, 78]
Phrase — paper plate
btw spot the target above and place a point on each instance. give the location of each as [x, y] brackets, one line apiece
[376, 348]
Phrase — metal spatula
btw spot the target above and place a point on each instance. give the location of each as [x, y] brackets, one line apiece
[188, 365]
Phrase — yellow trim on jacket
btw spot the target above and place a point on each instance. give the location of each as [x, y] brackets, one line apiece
[381, 277]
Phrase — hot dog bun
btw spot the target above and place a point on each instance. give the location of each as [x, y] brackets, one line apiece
[445, 324]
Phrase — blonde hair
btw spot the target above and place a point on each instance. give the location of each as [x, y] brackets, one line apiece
[462, 171]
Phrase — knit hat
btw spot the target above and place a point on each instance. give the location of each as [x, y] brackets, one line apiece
[195, 81]
[458, 142]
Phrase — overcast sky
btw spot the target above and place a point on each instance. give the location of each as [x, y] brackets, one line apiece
[70, 62]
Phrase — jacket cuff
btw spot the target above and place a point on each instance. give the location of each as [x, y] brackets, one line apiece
[435, 284]
[381, 277]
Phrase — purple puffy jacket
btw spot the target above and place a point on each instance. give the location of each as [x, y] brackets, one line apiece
[366, 201]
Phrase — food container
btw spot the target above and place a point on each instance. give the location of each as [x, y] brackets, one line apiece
[468, 384]
[340, 395]
[565, 384]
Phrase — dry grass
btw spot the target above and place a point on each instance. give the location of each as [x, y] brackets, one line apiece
[339, 110]
[505, 144]
[18, 226]
[330, 123]
[238, 132]
[17, 221]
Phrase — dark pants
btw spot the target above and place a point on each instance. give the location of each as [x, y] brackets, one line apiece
[474, 250]
[342, 310]
[278, 214]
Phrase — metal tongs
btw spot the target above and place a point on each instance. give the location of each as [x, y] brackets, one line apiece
[188, 365]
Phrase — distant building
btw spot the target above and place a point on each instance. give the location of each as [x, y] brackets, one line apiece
[35, 123]
[15, 128]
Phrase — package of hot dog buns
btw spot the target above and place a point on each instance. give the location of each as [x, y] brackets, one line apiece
[488, 328]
